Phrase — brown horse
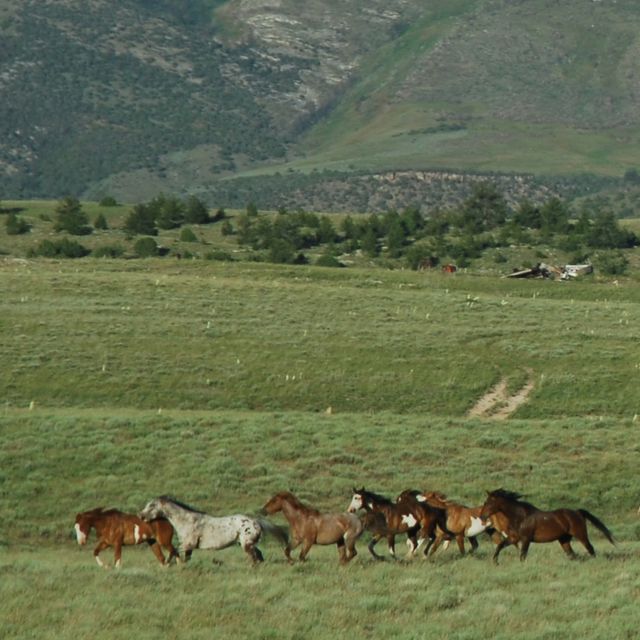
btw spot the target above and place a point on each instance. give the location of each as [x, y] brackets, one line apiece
[115, 529]
[529, 524]
[398, 519]
[463, 522]
[432, 519]
[309, 526]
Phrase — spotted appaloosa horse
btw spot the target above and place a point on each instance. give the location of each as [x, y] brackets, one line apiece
[310, 526]
[463, 522]
[199, 530]
[395, 516]
[529, 524]
[116, 529]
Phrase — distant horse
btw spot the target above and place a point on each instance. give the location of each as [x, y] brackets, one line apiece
[199, 530]
[432, 520]
[310, 526]
[463, 522]
[529, 524]
[115, 529]
[396, 517]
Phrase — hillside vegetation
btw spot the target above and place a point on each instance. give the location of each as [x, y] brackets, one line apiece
[180, 97]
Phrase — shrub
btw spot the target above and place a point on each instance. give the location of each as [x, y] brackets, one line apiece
[612, 263]
[219, 254]
[108, 251]
[108, 201]
[100, 222]
[146, 247]
[196, 211]
[16, 226]
[327, 260]
[64, 248]
[141, 221]
[187, 235]
[71, 218]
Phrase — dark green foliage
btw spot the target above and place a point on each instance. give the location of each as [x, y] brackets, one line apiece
[220, 255]
[485, 209]
[71, 218]
[195, 211]
[369, 241]
[146, 247]
[252, 209]
[108, 201]
[282, 252]
[611, 263]
[64, 248]
[141, 221]
[100, 222]
[226, 229]
[328, 260]
[168, 211]
[108, 251]
[606, 233]
[16, 226]
[187, 235]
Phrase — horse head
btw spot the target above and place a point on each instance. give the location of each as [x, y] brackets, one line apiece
[152, 510]
[358, 500]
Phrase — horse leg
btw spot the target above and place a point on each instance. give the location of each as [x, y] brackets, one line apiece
[565, 543]
[254, 553]
[291, 545]
[305, 550]
[412, 545]
[173, 552]
[460, 542]
[187, 555]
[117, 553]
[524, 548]
[505, 542]
[157, 551]
[101, 546]
[342, 551]
[391, 543]
[371, 546]
[583, 538]
[474, 544]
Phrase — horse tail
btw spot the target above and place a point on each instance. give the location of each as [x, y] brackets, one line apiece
[269, 528]
[598, 524]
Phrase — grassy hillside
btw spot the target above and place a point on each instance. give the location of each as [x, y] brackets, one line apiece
[128, 379]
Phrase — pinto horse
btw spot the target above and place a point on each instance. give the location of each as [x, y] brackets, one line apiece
[199, 530]
[398, 518]
[529, 524]
[309, 526]
[463, 522]
[432, 519]
[115, 529]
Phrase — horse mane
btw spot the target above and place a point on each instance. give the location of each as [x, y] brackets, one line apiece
[297, 503]
[374, 497]
[180, 504]
[511, 496]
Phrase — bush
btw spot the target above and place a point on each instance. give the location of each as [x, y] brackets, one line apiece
[108, 251]
[141, 221]
[187, 235]
[100, 222]
[219, 254]
[108, 201]
[327, 260]
[16, 226]
[64, 248]
[196, 211]
[146, 247]
[611, 263]
[71, 218]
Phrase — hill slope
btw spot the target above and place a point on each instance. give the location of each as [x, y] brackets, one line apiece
[147, 96]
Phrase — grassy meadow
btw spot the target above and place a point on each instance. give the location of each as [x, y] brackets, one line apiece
[222, 383]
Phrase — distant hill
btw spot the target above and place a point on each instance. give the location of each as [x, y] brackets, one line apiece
[142, 96]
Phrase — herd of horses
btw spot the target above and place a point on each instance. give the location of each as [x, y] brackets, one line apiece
[428, 519]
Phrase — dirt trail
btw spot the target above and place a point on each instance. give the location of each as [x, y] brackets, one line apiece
[498, 404]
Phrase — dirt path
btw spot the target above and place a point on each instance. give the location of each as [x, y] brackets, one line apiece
[498, 404]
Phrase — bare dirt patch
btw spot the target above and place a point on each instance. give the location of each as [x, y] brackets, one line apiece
[498, 404]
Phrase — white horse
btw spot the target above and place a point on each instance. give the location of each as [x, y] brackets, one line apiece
[199, 530]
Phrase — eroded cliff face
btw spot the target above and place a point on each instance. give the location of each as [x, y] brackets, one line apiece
[323, 44]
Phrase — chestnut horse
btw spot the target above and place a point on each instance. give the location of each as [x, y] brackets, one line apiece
[309, 526]
[463, 522]
[115, 529]
[529, 524]
[432, 519]
[398, 518]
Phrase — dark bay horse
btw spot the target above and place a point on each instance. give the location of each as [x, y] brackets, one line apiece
[527, 524]
[116, 529]
[432, 520]
[398, 518]
[462, 521]
[310, 526]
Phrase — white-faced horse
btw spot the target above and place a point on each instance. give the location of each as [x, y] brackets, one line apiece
[199, 530]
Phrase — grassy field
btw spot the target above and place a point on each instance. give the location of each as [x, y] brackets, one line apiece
[212, 381]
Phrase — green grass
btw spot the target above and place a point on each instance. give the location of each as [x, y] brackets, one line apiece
[124, 380]
[55, 463]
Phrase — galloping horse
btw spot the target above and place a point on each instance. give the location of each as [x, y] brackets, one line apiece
[432, 520]
[115, 529]
[529, 524]
[309, 526]
[397, 517]
[462, 521]
[199, 530]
